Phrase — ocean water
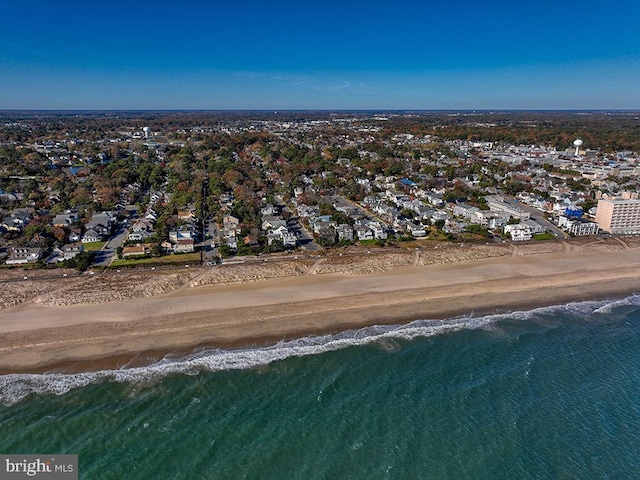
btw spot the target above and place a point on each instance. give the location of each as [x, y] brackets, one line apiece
[552, 393]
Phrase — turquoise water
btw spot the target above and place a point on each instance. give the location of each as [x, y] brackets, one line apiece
[549, 394]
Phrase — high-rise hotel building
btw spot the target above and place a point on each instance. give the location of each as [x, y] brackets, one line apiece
[619, 216]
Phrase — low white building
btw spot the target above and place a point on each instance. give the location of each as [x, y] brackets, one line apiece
[70, 250]
[379, 232]
[364, 233]
[465, 211]
[137, 236]
[497, 204]
[289, 240]
[416, 229]
[91, 236]
[578, 227]
[518, 232]
[534, 226]
[23, 255]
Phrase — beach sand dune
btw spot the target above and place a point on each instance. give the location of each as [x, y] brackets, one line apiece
[113, 316]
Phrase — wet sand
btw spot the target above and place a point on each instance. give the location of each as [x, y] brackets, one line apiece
[38, 337]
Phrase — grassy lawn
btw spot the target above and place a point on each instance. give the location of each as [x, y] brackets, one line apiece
[93, 246]
[543, 236]
[186, 258]
[472, 237]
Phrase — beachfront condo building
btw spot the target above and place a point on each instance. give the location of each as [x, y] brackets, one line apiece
[619, 216]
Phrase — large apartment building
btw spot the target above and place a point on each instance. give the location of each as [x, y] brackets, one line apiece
[497, 204]
[619, 216]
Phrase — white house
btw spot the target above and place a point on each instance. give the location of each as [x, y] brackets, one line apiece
[91, 236]
[345, 232]
[578, 227]
[364, 233]
[379, 232]
[534, 226]
[22, 255]
[518, 232]
[416, 229]
[70, 250]
[289, 240]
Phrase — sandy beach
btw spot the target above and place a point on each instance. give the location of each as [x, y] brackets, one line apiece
[107, 319]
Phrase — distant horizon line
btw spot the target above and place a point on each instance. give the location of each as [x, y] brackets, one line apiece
[323, 110]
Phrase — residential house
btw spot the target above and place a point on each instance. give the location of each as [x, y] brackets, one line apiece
[289, 240]
[176, 235]
[137, 250]
[101, 221]
[435, 199]
[379, 231]
[184, 245]
[140, 230]
[577, 226]
[497, 204]
[231, 242]
[226, 199]
[186, 215]
[534, 226]
[229, 221]
[423, 212]
[346, 208]
[70, 250]
[102, 230]
[465, 211]
[64, 220]
[454, 226]
[75, 235]
[130, 211]
[250, 240]
[319, 219]
[326, 234]
[306, 211]
[272, 237]
[483, 217]
[270, 222]
[91, 236]
[142, 225]
[345, 232]
[23, 255]
[415, 229]
[319, 225]
[17, 220]
[137, 236]
[364, 233]
[498, 221]
[10, 224]
[518, 232]
[269, 210]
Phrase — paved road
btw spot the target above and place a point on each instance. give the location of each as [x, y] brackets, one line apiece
[364, 211]
[304, 237]
[103, 257]
[539, 217]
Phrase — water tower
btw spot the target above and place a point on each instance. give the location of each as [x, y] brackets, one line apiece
[577, 143]
[147, 132]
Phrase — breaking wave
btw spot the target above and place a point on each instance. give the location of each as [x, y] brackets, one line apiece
[16, 387]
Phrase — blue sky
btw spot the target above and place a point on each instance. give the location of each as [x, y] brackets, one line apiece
[252, 54]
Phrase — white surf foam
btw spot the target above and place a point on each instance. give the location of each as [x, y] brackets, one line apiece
[15, 387]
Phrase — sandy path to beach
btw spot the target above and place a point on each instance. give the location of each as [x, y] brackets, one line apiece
[33, 335]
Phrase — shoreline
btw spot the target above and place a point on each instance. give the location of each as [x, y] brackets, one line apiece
[148, 357]
[87, 337]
